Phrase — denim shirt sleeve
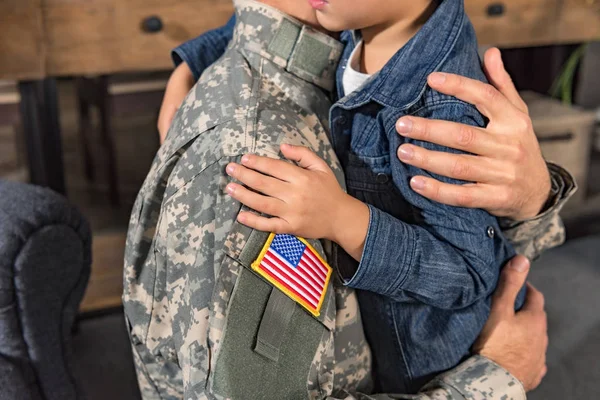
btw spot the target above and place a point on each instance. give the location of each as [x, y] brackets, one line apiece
[452, 258]
[201, 52]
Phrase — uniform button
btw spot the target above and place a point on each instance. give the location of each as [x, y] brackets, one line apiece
[381, 178]
[491, 232]
[159, 358]
[135, 339]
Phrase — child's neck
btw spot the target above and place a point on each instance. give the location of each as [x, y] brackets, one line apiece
[381, 42]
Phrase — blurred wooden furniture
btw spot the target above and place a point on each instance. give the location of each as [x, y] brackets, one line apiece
[41, 39]
[93, 93]
[114, 96]
[526, 23]
[22, 57]
[588, 94]
[10, 156]
[9, 103]
[565, 136]
[105, 287]
[21, 40]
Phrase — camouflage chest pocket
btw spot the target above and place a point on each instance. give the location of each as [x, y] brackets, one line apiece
[278, 333]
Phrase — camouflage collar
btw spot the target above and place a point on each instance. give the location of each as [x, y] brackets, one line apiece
[296, 47]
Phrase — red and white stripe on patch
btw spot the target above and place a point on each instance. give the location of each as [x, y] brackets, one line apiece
[294, 267]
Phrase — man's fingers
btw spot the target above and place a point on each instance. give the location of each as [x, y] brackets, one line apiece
[304, 157]
[275, 225]
[449, 134]
[453, 195]
[255, 180]
[255, 201]
[497, 75]
[534, 301]
[456, 166]
[279, 169]
[511, 281]
[488, 100]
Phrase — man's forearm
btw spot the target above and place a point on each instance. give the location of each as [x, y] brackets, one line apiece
[476, 378]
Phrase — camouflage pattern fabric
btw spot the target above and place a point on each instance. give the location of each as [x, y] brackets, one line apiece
[182, 261]
[185, 251]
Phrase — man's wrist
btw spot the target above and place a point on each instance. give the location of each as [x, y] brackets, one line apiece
[562, 187]
[538, 203]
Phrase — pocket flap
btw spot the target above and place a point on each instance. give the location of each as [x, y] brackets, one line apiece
[294, 266]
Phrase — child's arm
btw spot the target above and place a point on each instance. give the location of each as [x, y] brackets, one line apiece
[450, 261]
[452, 257]
[201, 52]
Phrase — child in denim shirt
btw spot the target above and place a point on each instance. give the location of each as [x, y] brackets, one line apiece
[424, 270]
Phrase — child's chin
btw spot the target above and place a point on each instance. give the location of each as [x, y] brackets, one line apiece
[330, 23]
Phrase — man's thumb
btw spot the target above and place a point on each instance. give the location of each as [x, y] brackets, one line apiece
[512, 279]
[497, 75]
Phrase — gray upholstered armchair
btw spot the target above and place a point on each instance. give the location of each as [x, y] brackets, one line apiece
[45, 247]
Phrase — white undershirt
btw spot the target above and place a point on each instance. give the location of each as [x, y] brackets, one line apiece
[353, 79]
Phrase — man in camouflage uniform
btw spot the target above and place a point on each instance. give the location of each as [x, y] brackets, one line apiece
[203, 325]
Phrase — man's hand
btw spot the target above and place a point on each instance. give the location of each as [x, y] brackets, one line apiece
[509, 174]
[179, 85]
[516, 341]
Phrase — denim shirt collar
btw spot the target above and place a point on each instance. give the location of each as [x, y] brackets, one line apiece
[403, 79]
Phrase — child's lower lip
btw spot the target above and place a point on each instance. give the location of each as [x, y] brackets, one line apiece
[317, 4]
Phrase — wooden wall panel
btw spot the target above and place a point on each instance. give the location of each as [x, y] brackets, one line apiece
[104, 36]
[69, 37]
[535, 22]
[82, 36]
[21, 39]
[578, 20]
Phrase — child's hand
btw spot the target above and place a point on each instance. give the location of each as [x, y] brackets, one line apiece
[306, 201]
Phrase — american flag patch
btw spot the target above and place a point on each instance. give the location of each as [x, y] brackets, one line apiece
[295, 268]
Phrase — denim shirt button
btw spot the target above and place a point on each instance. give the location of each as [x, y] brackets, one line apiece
[491, 232]
[381, 178]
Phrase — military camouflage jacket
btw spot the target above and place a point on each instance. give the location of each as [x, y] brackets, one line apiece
[203, 324]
